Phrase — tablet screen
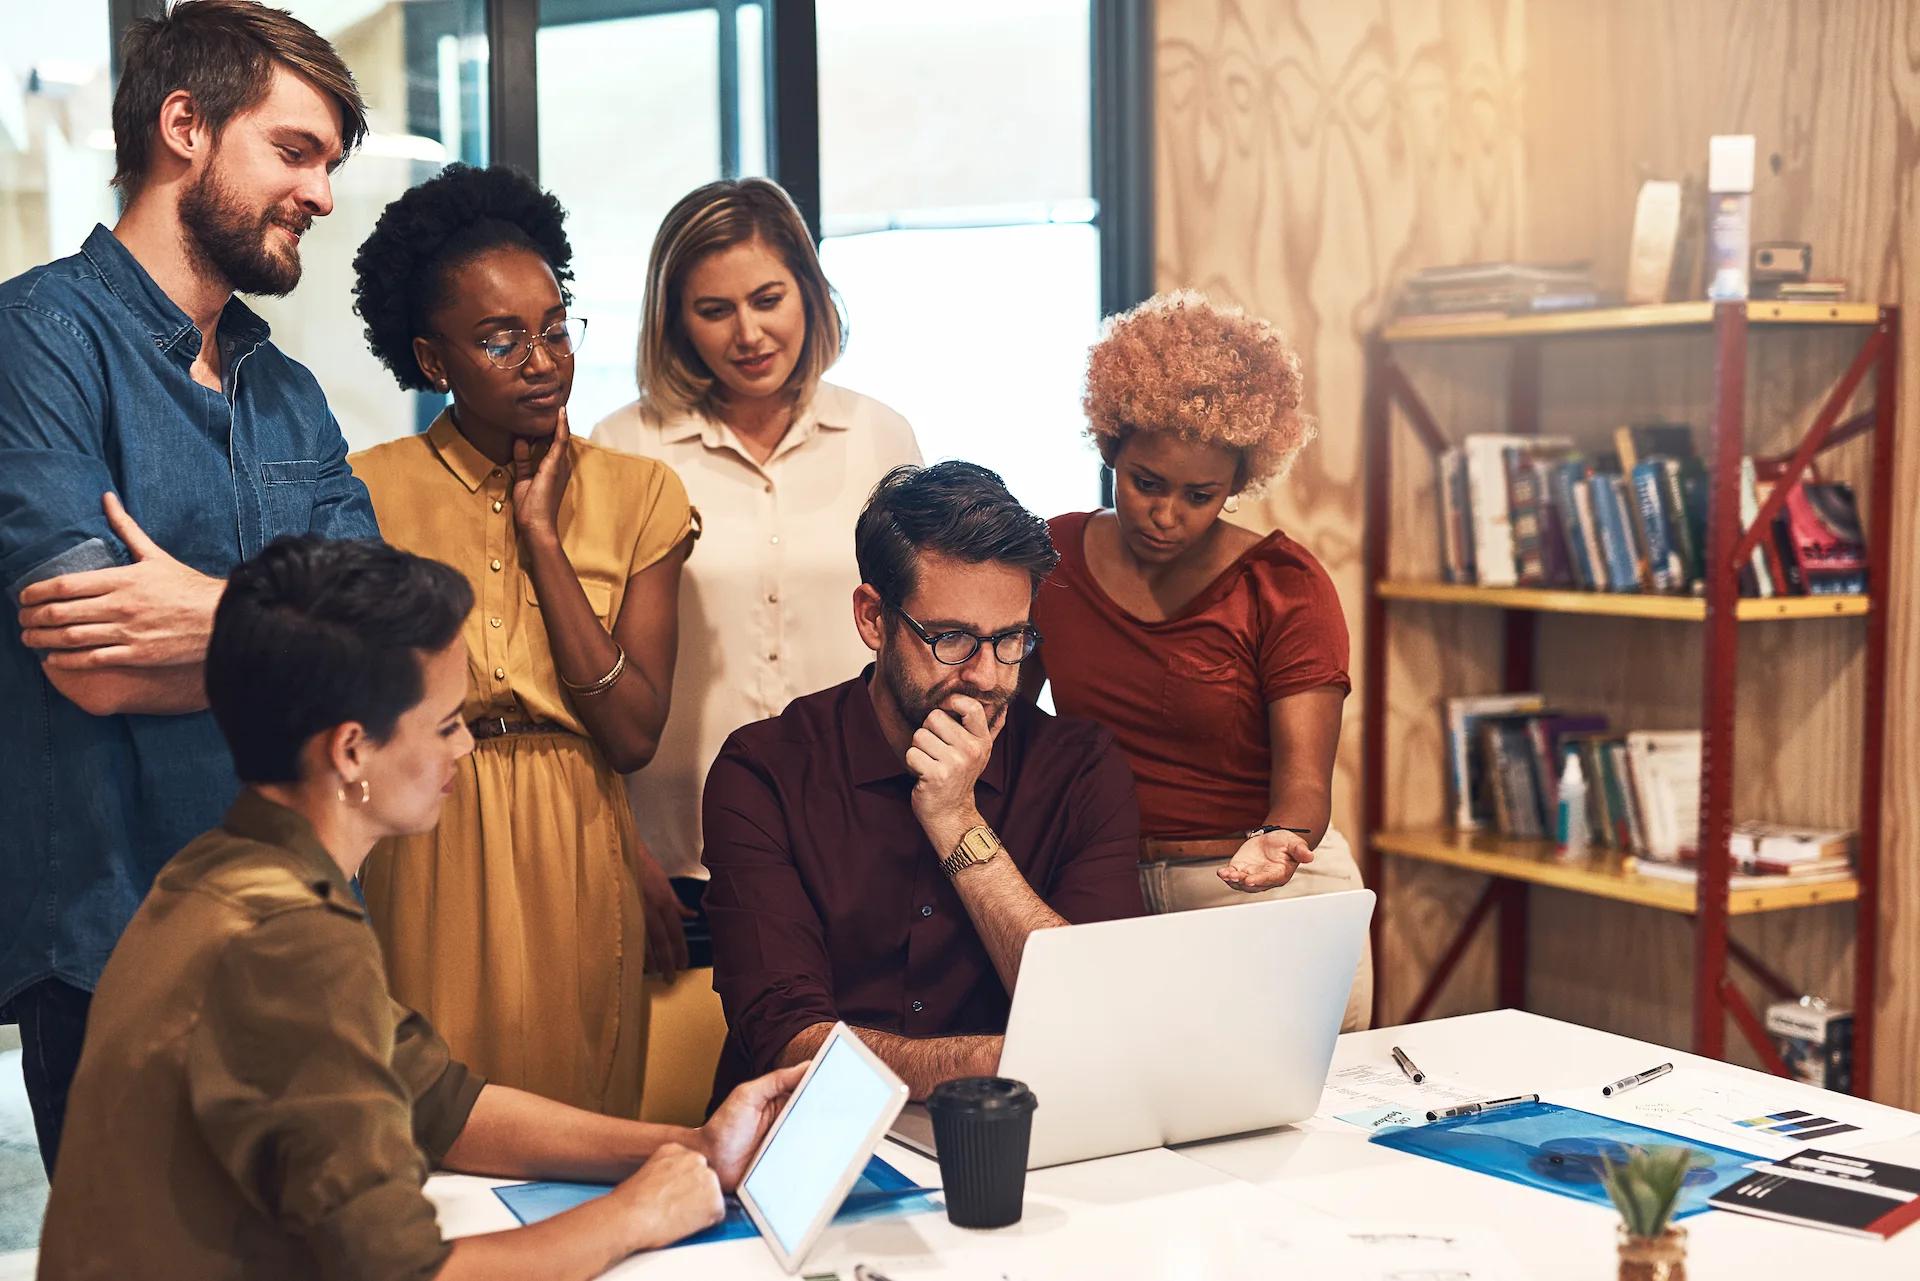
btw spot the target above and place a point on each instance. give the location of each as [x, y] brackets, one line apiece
[825, 1131]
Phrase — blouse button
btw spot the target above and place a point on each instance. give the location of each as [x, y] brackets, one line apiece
[497, 504]
[494, 621]
[494, 565]
[926, 911]
[774, 539]
[917, 1006]
[773, 598]
[499, 673]
[768, 487]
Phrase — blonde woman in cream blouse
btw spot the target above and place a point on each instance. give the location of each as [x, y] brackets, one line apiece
[739, 327]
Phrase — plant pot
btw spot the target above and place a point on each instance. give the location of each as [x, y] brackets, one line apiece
[1661, 1258]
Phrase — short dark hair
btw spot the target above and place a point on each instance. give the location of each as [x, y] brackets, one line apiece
[400, 273]
[223, 52]
[311, 634]
[955, 508]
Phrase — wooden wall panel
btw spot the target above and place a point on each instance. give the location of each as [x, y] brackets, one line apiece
[1311, 155]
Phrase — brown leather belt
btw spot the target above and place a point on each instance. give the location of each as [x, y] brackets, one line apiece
[1153, 849]
[499, 727]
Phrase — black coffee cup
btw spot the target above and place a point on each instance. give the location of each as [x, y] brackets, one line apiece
[981, 1125]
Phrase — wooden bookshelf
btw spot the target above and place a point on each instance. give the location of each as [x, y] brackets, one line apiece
[1511, 868]
[1602, 875]
[1688, 609]
[1618, 320]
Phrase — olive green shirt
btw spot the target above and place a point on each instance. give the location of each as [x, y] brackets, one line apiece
[250, 1102]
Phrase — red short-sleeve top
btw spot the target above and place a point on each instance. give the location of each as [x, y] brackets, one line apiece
[1186, 698]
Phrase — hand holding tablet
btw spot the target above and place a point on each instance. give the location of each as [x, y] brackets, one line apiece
[820, 1143]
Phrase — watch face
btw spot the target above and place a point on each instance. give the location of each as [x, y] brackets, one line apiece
[979, 843]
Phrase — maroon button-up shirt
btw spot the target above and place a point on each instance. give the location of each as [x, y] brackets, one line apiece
[827, 901]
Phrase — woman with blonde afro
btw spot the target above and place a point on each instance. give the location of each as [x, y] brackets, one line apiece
[1217, 656]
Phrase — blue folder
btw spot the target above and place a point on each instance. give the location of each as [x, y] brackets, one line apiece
[881, 1190]
[1556, 1149]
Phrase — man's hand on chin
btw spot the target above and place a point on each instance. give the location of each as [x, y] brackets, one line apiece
[948, 753]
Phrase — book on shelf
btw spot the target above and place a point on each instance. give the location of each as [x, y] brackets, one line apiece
[1825, 544]
[1637, 441]
[1466, 777]
[1456, 516]
[1665, 769]
[1779, 847]
[1764, 853]
[1524, 511]
[1516, 749]
[1496, 290]
[1689, 874]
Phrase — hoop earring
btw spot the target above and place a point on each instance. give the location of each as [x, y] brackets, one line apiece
[366, 793]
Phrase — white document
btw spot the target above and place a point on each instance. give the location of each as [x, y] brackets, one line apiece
[1374, 1096]
[1768, 1122]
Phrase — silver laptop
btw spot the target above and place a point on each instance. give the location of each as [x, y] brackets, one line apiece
[1168, 1029]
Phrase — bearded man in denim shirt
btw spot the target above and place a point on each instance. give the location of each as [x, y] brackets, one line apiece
[151, 438]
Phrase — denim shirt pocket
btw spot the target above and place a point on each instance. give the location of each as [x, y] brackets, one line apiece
[286, 496]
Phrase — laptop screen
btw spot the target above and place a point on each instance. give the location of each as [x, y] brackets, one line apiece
[820, 1136]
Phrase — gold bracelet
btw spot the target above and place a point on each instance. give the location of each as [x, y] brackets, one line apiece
[605, 683]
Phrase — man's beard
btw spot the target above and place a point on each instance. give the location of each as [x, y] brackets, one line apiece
[916, 702]
[228, 238]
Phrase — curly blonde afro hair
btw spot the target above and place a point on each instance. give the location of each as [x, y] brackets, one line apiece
[1210, 374]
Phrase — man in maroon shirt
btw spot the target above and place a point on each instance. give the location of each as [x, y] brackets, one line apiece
[881, 850]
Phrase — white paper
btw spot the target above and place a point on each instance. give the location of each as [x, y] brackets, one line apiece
[1389, 1250]
[1697, 1105]
[1375, 1095]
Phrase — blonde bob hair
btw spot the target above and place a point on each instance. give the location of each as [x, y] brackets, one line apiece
[674, 380]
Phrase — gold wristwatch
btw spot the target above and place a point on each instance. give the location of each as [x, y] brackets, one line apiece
[977, 846]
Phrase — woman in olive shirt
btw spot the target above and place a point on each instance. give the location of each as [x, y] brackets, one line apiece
[250, 1103]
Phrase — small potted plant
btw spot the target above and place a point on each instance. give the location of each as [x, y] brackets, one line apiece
[1646, 1188]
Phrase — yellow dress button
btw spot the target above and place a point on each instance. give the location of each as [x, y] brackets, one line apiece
[499, 673]
[494, 565]
[494, 621]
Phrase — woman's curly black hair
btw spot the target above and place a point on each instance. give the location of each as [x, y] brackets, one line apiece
[401, 271]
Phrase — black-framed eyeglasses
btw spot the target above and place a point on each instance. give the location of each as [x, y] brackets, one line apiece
[512, 348]
[954, 648]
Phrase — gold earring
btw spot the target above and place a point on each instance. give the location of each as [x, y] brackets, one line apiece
[366, 793]
[1232, 504]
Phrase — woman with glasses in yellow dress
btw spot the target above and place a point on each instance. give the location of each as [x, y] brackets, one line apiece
[518, 927]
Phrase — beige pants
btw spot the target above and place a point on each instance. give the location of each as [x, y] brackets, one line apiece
[1187, 884]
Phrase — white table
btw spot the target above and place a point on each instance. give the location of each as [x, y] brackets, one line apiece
[1185, 1213]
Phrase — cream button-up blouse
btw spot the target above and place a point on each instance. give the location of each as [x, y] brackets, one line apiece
[766, 608]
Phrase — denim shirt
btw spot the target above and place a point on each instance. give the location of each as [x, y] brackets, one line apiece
[97, 394]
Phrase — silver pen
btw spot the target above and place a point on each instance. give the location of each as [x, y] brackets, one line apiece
[1475, 1109]
[1405, 1064]
[1626, 1083]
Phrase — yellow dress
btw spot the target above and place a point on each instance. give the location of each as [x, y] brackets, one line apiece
[515, 926]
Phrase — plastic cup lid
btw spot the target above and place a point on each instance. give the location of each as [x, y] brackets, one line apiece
[982, 1096]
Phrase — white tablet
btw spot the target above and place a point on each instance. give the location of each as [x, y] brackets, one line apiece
[819, 1145]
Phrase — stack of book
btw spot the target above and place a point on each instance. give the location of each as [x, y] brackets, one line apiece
[1769, 854]
[1533, 511]
[1497, 289]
